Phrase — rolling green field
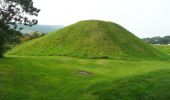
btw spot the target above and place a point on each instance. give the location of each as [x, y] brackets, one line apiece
[64, 78]
[44, 68]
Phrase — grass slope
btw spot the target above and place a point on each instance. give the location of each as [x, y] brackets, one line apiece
[63, 78]
[90, 39]
[163, 48]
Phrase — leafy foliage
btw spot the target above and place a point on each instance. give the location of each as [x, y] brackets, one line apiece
[16, 11]
[158, 40]
[11, 13]
[8, 37]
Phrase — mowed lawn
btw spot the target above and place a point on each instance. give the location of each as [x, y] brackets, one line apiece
[64, 78]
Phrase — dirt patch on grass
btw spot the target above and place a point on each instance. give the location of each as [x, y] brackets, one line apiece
[85, 73]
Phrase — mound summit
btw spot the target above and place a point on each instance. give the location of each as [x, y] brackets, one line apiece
[89, 39]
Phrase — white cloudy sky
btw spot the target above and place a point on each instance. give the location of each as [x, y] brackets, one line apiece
[144, 18]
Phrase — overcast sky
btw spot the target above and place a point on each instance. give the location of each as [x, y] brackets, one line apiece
[144, 18]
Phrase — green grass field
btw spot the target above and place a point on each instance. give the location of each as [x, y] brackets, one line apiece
[40, 70]
[64, 78]
[163, 48]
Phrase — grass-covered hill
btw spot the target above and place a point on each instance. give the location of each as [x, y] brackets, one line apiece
[89, 39]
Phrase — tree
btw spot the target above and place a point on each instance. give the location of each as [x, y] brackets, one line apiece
[12, 14]
[158, 40]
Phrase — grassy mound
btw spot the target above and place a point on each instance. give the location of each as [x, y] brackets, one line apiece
[89, 39]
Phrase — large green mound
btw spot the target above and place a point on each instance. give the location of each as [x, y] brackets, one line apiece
[89, 39]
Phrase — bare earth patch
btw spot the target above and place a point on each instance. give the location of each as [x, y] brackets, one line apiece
[85, 73]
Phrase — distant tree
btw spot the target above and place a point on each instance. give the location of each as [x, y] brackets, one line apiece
[158, 40]
[13, 13]
[167, 39]
[30, 36]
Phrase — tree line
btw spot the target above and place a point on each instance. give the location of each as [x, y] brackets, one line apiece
[158, 40]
